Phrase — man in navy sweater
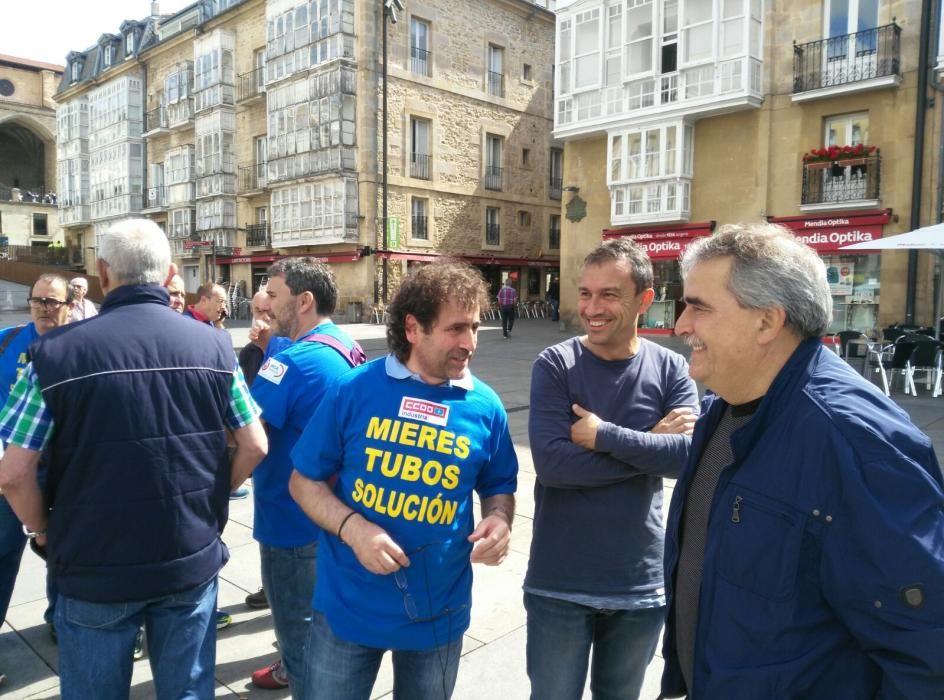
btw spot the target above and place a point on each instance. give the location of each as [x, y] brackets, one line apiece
[134, 505]
[611, 414]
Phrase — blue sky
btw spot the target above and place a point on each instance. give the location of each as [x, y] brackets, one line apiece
[46, 30]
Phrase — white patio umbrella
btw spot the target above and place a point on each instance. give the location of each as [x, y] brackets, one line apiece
[925, 238]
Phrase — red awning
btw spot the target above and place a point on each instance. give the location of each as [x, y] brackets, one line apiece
[472, 259]
[663, 242]
[272, 257]
[828, 232]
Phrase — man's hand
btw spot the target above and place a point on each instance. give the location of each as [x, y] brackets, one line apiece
[373, 547]
[259, 334]
[584, 431]
[492, 538]
[678, 421]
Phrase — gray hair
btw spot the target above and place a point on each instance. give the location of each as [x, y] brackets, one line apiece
[136, 252]
[770, 267]
[632, 253]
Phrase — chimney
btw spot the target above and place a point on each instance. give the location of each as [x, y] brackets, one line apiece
[155, 8]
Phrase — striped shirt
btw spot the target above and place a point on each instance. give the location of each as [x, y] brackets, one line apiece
[26, 422]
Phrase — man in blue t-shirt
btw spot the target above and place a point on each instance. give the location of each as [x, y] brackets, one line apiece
[611, 414]
[409, 437]
[303, 294]
[49, 307]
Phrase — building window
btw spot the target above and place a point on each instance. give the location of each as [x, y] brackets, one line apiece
[847, 18]
[492, 227]
[556, 174]
[526, 72]
[847, 129]
[419, 47]
[419, 218]
[129, 43]
[524, 218]
[587, 49]
[108, 55]
[76, 71]
[553, 234]
[419, 148]
[258, 67]
[493, 162]
[526, 157]
[698, 31]
[496, 71]
[40, 225]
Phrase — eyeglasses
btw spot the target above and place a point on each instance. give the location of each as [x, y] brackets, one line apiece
[45, 303]
[409, 602]
[78, 286]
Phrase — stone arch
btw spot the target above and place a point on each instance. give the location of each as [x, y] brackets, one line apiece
[27, 153]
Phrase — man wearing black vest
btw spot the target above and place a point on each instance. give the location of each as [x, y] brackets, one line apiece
[139, 479]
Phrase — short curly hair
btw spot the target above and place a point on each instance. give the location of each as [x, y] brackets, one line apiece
[423, 294]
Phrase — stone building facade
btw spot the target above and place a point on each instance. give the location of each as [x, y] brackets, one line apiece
[28, 213]
[685, 114]
[261, 132]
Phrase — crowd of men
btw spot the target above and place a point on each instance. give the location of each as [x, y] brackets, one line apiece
[802, 559]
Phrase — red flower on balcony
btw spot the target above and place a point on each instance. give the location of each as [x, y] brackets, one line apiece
[831, 154]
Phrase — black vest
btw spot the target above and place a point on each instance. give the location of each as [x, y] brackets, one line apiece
[138, 474]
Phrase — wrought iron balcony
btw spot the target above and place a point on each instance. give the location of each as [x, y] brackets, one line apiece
[252, 177]
[555, 187]
[420, 61]
[492, 234]
[419, 166]
[493, 178]
[850, 180]
[419, 229]
[251, 84]
[496, 84]
[258, 235]
[155, 120]
[851, 58]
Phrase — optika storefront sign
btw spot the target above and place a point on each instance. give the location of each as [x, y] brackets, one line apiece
[666, 243]
[829, 233]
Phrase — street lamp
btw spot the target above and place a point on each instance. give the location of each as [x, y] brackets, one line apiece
[391, 7]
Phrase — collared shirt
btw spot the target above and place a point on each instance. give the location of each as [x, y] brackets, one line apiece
[507, 296]
[79, 311]
[397, 370]
[26, 421]
[193, 313]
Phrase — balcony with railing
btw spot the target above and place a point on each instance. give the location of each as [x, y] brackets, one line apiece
[851, 183]
[250, 85]
[258, 236]
[555, 187]
[420, 166]
[420, 61]
[419, 229]
[863, 60]
[252, 178]
[492, 234]
[155, 198]
[155, 122]
[493, 178]
[496, 84]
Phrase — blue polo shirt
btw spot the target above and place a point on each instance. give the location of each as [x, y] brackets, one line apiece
[14, 359]
[288, 388]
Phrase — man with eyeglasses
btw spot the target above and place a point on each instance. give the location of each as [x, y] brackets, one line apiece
[178, 297]
[409, 438]
[80, 308]
[136, 503]
[49, 307]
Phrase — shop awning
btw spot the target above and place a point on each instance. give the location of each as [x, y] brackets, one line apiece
[827, 233]
[472, 259]
[353, 256]
[663, 242]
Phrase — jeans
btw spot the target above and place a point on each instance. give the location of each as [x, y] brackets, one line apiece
[288, 578]
[508, 319]
[560, 635]
[340, 670]
[555, 308]
[96, 641]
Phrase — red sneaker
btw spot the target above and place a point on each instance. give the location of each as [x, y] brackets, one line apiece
[271, 677]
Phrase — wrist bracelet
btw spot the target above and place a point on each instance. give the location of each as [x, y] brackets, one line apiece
[30, 535]
[343, 523]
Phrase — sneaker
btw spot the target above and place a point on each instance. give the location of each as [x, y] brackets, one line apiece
[138, 652]
[271, 677]
[223, 619]
[257, 600]
[238, 494]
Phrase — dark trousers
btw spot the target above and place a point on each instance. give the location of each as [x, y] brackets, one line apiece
[508, 319]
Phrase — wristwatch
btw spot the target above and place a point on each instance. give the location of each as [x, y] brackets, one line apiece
[32, 535]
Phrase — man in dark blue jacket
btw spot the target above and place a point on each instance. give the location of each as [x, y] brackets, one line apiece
[803, 550]
[139, 474]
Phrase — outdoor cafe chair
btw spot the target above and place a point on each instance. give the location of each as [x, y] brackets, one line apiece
[925, 358]
[889, 359]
